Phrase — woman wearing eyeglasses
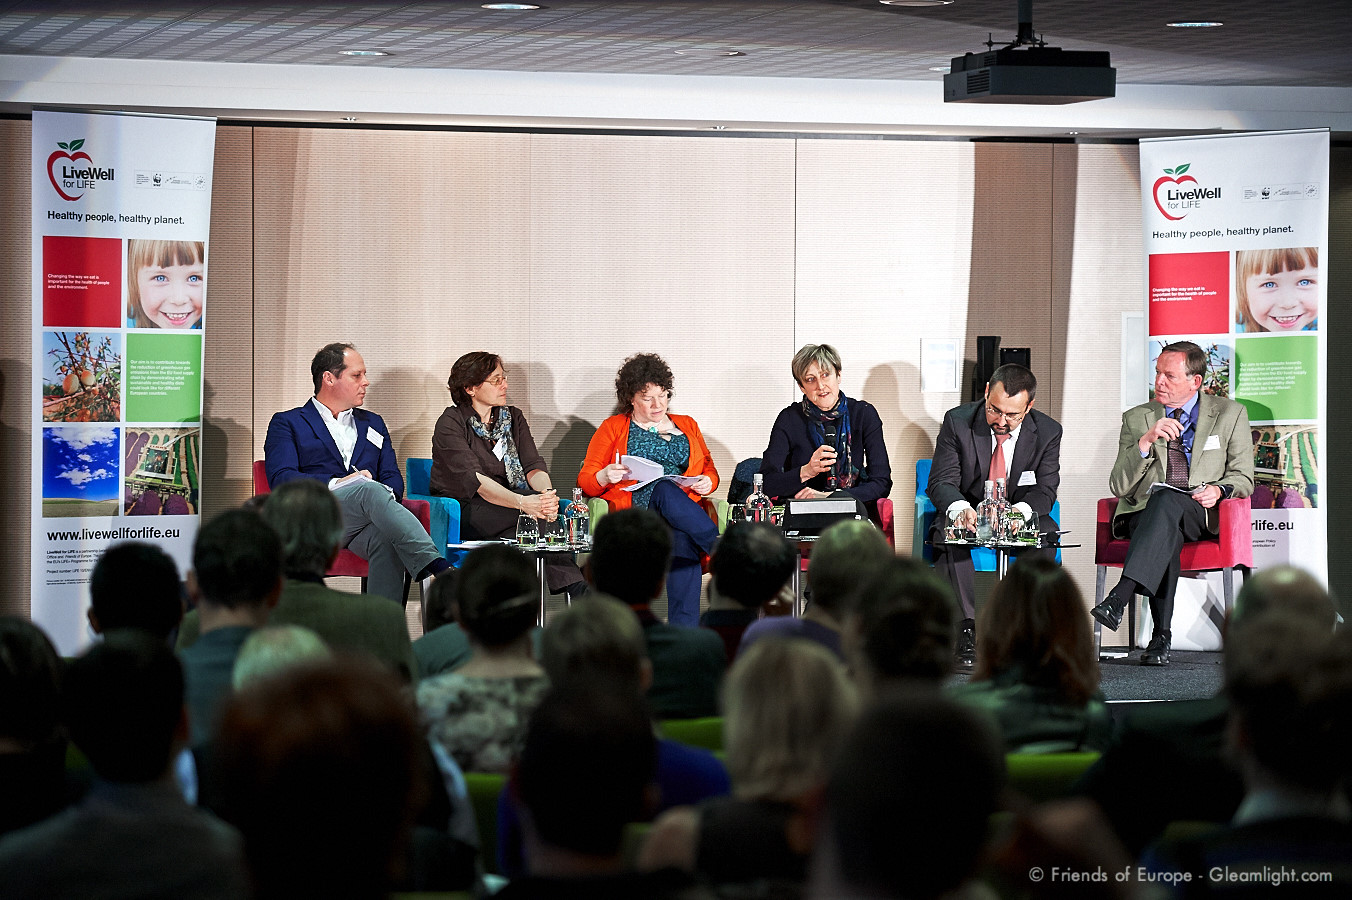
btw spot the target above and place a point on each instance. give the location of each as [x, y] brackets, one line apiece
[483, 455]
[826, 442]
[641, 426]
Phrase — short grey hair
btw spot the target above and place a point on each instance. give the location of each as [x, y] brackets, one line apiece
[309, 521]
[274, 649]
[824, 355]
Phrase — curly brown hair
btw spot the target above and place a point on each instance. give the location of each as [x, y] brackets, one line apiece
[639, 371]
[469, 370]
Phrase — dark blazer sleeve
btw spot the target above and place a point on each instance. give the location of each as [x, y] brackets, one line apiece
[1046, 468]
[946, 468]
[785, 454]
[290, 451]
[530, 456]
[454, 462]
[876, 471]
[386, 470]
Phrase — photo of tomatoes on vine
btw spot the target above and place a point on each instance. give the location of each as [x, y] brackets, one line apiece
[81, 376]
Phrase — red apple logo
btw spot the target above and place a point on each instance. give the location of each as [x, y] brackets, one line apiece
[71, 152]
[1178, 178]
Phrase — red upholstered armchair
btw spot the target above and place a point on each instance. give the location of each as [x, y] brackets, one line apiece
[1231, 549]
[348, 563]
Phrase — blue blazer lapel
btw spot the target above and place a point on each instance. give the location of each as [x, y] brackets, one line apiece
[321, 431]
[365, 455]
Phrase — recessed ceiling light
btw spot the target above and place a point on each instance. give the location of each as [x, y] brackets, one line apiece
[348, 119]
[1072, 133]
[709, 52]
[510, 6]
[363, 53]
[1194, 24]
[940, 68]
[915, 2]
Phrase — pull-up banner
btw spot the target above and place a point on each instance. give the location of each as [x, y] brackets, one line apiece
[121, 212]
[1236, 241]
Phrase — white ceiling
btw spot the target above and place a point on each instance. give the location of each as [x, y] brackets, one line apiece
[806, 65]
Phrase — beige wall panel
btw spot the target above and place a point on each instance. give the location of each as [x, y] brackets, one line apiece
[412, 245]
[885, 257]
[1103, 238]
[16, 361]
[228, 367]
[678, 246]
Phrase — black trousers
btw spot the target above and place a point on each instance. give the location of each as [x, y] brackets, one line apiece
[1157, 533]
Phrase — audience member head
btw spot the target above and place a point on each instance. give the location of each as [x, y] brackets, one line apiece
[631, 549]
[123, 705]
[915, 782]
[846, 554]
[586, 770]
[499, 595]
[309, 522]
[597, 637]
[438, 605]
[751, 564]
[135, 585]
[787, 705]
[30, 686]
[1289, 682]
[1283, 588]
[267, 651]
[1033, 629]
[316, 768]
[237, 562]
[900, 626]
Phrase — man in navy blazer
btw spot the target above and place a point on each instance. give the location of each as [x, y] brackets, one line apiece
[1031, 449]
[330, 439]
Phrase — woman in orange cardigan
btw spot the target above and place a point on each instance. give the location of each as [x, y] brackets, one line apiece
[642, 427]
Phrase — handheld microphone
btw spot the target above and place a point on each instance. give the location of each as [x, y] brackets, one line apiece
[830, 432]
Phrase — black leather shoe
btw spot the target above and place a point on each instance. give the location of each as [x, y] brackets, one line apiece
[964, 654]
[1109, 612]
[1157, 653]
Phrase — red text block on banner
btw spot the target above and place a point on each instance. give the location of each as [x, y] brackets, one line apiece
[81, 282]
[1189, 293]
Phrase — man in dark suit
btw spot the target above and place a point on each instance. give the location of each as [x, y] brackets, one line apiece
[1199, 445]
[332, 440]
[965, 457]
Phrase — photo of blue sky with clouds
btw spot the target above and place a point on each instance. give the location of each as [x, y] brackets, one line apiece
[80, 462]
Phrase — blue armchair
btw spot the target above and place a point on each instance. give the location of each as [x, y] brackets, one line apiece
[445, 511]
[983, 558]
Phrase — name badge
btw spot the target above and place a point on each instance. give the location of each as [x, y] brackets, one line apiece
[500, 448]
[1213, 442]
[375, 437]
[1027, 477]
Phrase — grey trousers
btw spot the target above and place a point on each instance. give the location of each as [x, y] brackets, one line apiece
[380, 530]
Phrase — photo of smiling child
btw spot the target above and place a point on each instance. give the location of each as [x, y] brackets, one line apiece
[1277, 290]
[166, 283]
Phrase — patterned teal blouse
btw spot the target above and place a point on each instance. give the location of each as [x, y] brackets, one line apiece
[672, 455]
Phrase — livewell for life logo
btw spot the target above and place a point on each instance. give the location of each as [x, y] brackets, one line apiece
[1179, 200]
[72, 176]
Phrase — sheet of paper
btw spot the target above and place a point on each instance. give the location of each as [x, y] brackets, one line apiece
[354, 478]
[645, 472]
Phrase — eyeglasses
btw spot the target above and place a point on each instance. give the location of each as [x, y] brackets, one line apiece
[496, 380]
[1011, 418]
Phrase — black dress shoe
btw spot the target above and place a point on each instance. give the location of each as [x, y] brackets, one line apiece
[964, 654]
[1109, 612]
[1157, 652]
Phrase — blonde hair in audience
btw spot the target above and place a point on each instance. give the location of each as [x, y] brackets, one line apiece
[787, 706]
[274, 649]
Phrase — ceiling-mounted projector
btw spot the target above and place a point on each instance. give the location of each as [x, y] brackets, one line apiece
[1028, 71]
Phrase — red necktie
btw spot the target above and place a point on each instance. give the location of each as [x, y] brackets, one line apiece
[998, 458]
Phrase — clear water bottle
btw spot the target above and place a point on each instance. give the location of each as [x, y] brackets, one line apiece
[1003, 524]
[758, 506]
[527, 531]
[579, 522]
[986, 516]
